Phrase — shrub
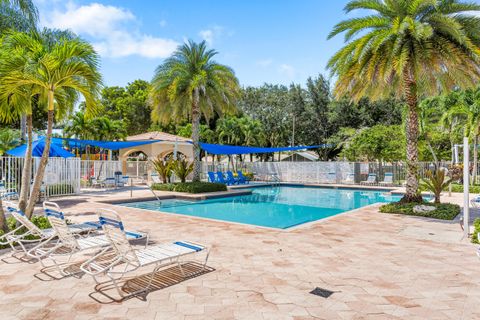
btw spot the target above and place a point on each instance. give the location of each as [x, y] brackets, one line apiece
[40, 221]
[190, 187]
[443, 211]
[182, 168]
[476, 230]
[459, 188]
[163, 168]
[435, 182]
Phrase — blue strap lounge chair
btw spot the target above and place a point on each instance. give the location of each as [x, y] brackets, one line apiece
[371, 179]
[231, 179]
[22, 235]
[127, 259]
[67, 244]
[387, 179]
[211, 177]
[242, 178]
[221, 178]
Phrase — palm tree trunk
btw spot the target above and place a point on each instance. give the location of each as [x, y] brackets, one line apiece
[37, 183]
[3, 220]
[196, 137]
[412, 133]
[27, 167]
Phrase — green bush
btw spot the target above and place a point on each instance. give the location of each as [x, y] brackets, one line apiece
[476, 230]
[444, 211]
[60, 188]
[40, 221]
[190, 187]
[456, 187]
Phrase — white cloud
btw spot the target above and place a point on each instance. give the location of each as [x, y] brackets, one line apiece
[110, 29]
[163, 23]
[287, 70]
[265, 63]
[207, 35]
[212, 34]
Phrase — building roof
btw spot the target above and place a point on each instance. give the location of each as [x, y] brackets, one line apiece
[157, 135]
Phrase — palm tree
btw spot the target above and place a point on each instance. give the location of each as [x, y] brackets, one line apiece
[61, 67]
[21, 15]
[408, 49]
[8, 139]
[190, 83]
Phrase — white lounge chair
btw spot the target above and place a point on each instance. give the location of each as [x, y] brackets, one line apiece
[387, 179]
[331, 177]
[371, 179]
[14, 237]
[156, 178]
[68, 243]
[109, 183]
[350, 178]
[475, 202]
[128, 259]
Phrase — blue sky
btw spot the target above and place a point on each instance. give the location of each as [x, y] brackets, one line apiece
[273, 41]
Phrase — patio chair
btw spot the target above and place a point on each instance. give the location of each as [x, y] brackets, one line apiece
[128, 259]
[109, 183]
[475, 202]
[221, 178]
[231, 179]
[387, 179]
[15, 236]
[211, 177]
[68, 243]
[155, 178]
[350, 178]
[332, 177]
[95, 183]
[371, 179]
[242, 178]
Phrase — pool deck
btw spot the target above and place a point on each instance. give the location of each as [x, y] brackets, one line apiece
[379, 266]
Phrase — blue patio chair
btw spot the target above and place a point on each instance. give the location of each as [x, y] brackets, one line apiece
[241, 178]
[231, 179]
[211, 177]
[221, 178]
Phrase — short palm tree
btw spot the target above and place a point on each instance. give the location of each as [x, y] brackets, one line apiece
[409, 49]
[21, 15]
[59, 65]
[190, 83]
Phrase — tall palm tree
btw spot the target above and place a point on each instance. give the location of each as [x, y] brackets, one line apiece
[409, 49]
[21, 15]
[190, 83]
[60, 67]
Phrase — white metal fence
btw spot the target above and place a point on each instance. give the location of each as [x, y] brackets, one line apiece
[325, 172]
[62, 176]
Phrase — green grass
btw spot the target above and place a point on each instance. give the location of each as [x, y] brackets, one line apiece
[443, 211]
[190, 187]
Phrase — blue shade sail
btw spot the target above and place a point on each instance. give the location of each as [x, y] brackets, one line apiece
[38, 146]
[225, 149]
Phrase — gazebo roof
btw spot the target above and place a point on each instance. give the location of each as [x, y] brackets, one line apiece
[157, 135]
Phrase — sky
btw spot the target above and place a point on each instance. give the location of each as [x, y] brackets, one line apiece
[264, 41]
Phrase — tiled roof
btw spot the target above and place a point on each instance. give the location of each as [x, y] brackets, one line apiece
[156, 135]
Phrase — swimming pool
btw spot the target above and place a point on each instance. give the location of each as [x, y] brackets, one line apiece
[275, 207]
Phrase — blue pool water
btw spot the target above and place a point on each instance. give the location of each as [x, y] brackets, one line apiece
[276, 207]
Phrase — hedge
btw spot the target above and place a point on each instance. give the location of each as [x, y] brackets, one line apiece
[190, 187]
[443, 211]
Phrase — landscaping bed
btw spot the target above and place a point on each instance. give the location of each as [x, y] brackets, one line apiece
[443, 211]
[190, 187]
[40, 221]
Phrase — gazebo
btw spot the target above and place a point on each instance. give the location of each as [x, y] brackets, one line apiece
[165, 144]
